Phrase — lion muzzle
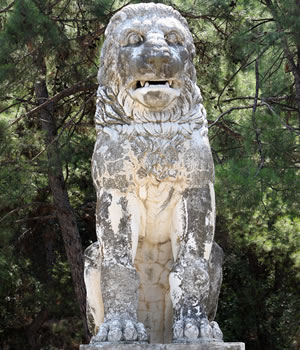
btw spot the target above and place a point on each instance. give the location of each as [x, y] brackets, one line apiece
[154, 94]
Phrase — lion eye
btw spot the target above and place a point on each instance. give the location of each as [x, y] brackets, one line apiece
[172, 38]
[134, 38]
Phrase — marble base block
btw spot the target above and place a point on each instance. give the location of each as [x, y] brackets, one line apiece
[173, 346]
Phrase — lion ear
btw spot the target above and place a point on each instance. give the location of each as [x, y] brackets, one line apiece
[117, 19]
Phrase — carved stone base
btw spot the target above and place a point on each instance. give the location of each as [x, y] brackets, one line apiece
[173, 346]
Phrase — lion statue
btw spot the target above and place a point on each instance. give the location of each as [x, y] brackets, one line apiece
[155, 268]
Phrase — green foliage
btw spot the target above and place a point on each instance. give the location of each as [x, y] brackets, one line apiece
[100, 8]
[19, 292]
[28, 23]
[27, 27]
[261, 304]
[256, 154]
[23, 297]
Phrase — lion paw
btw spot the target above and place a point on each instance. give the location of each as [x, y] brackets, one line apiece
[216, 330]
[190, 330]
[120, 330]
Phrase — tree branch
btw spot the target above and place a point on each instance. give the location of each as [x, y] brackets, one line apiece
[259, 24]
[229, 111]
[7, 8]
[209, 18]
[275, 98]
[284, 124]
[257, 131]
[67, 92]
[56, 138]
[46, 217]
[243, 65]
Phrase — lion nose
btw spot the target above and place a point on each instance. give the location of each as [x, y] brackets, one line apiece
[157, 52]
[158, 57]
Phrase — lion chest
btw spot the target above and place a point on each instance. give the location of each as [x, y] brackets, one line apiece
[125, 164]
[149, 166]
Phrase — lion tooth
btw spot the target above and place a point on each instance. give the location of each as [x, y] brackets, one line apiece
[147, 84]
[170, 83]
[142, 82]
[167, 84]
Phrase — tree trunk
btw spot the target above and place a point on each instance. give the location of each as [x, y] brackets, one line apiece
[64, 212]
[32, 331]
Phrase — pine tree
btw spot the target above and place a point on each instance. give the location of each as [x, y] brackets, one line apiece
[248, 66]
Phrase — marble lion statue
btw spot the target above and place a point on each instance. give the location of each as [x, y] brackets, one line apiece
[155, 270]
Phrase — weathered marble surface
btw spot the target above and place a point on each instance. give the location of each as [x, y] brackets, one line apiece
[155, 263]
[200, 346]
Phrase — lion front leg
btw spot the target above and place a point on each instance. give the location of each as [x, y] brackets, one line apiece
[117, 230]
[189, 279]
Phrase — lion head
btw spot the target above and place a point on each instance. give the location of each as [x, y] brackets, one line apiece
[146, 70]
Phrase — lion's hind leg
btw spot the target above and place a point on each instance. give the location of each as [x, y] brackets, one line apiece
[92, 279]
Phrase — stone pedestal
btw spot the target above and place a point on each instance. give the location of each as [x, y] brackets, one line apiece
[173, 346]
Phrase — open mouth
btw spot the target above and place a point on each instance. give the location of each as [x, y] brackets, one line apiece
[155, 94]
[154, 83]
